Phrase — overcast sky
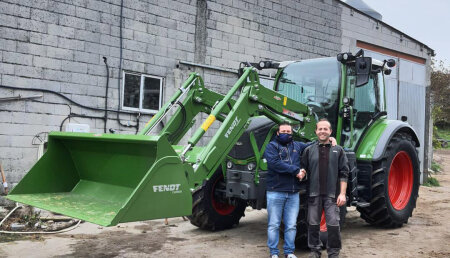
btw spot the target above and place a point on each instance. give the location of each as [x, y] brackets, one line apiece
[428, 21]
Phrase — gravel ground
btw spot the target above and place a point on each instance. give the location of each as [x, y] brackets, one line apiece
[426, 235]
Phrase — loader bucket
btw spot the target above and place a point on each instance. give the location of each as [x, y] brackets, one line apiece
[107, 179]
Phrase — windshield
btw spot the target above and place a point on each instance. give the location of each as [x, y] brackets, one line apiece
[315, 83]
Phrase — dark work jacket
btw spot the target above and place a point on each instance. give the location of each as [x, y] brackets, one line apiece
[283, 163]
[337, 169]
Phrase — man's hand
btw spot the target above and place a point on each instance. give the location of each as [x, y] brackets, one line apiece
[333, 141]
[301, 174]
[341, 200]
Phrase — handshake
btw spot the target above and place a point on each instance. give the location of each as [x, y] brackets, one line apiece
[301, 174]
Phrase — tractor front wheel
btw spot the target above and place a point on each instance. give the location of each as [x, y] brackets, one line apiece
[211, 210]
[395, 184]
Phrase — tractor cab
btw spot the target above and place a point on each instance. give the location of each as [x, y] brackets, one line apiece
[363, 102]
[348, 91]
[315, 83]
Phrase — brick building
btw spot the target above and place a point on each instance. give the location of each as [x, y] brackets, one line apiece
[78, 57]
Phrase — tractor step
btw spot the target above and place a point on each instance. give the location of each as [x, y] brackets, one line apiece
[362, 204]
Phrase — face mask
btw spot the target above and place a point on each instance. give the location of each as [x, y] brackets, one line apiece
[284, 138]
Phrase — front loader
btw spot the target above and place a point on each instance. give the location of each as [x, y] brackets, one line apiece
[108, 179]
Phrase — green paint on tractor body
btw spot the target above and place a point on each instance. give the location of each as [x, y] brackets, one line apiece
[107, 179]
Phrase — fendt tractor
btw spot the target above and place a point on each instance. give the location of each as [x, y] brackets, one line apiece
[108, 179]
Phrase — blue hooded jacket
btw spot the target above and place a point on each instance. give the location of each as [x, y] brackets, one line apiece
[283, 163]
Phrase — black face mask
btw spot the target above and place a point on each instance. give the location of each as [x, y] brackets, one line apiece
[284, 138]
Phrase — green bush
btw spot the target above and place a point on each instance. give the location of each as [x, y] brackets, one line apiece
[442, 133]
[436, 167]
[431, 182]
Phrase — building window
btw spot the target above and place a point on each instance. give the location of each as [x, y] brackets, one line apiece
[142, 92]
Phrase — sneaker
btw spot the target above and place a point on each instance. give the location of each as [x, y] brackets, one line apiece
[290, 256]
[274, 256]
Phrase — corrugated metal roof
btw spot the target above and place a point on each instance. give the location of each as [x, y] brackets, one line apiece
[363, 7]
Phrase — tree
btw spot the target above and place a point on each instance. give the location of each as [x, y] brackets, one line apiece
[440, 93]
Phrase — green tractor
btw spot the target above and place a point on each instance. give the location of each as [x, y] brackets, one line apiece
[108, 179]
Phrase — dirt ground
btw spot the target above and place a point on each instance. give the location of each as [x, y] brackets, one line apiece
[426, 235]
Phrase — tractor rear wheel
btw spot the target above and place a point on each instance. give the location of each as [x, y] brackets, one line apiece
[395, 184]
[211, 210]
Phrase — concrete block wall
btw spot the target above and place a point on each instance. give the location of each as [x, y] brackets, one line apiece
[59, 45]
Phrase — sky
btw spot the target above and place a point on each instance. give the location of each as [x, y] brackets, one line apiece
[427, 21]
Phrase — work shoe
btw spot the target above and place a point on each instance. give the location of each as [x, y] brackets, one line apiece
[290, 256]
[274, 256]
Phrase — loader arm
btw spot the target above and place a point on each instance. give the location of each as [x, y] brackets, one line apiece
[198, 100]
[108, 179]
[254, 100]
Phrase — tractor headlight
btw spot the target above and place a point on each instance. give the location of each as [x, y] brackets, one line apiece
[262, 64]
[229, 164]
[345, 56]
[251, 166]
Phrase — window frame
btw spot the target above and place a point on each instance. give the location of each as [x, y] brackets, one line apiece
[141, 92]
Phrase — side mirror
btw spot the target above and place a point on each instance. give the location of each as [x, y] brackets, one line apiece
[390, 63]
[363, 67]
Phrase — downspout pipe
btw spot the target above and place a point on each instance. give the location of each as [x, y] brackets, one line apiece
[105, 60]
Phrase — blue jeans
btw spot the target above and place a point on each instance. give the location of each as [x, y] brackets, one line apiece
[282, 205]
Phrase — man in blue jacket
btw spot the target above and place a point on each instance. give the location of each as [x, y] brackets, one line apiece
[283, 184]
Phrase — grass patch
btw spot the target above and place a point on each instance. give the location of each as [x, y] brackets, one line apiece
[432, 182]
[441, 134]
[436, 167]
[444, 133]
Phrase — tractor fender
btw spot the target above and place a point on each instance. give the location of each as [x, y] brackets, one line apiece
[391, 129]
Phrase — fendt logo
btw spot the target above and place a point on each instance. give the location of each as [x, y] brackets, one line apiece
[232, 126]
[174, 188]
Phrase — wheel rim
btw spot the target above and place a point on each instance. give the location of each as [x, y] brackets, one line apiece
[219, 204]
[400, 181]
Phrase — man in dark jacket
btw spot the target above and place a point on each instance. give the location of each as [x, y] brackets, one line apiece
[283, 161]
[327, 169]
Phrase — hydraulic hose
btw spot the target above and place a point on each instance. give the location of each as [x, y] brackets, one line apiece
[76, 104]
[36, 232]
[64, 97]
[181, 126]
[9, 214]
[77, 115]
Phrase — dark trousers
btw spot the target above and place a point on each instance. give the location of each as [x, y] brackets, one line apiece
[315, 206]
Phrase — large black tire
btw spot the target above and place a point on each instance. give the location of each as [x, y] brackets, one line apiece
[395, 184]
[301, 239]
[211, 210]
